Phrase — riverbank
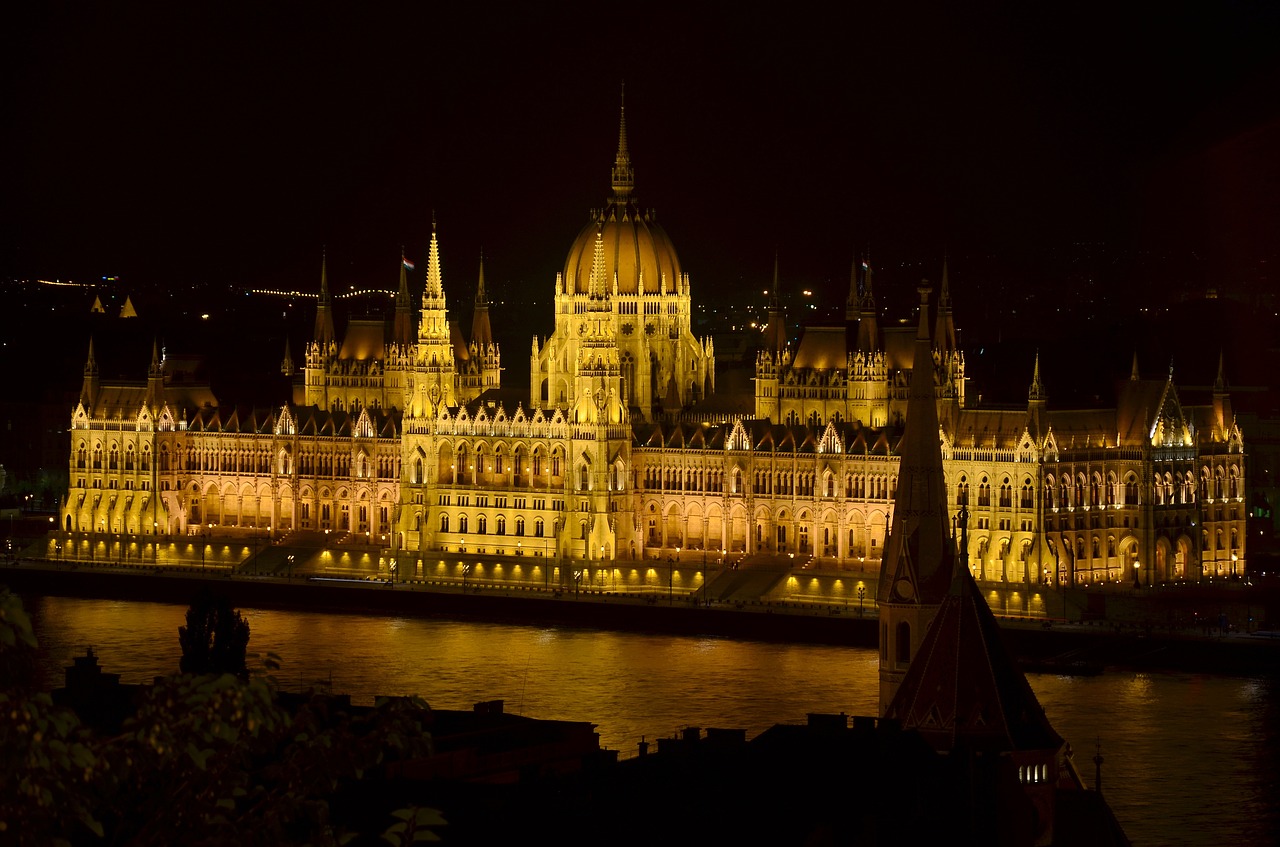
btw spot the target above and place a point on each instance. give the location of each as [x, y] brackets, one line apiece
[1051, 646]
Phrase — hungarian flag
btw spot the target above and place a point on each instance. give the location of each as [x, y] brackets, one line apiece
[407, 263]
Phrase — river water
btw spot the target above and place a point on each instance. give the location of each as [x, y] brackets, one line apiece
[1189, 758]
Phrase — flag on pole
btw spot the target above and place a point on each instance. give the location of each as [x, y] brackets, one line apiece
[407, 263]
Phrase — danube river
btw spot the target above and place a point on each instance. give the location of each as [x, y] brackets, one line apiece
[1190, 758]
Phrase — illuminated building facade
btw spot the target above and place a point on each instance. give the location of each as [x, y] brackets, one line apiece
[402, 434]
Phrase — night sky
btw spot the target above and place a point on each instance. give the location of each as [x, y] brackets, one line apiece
[190, 144]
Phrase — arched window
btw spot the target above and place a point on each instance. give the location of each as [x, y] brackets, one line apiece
[482, 525]
[537, 528]
[962, 491]
[462, 524]
[444, 523]
[1028, 495]
[502, 525]
[519, 526]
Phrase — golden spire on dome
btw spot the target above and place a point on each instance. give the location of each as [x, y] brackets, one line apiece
[624, 178]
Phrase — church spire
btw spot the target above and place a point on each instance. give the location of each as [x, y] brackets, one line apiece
[1220, 382]
[1133, 371]
[919, 553]
[481, 332]
[402, 331]
[434, 289]
[286, 364]
[775, 339]
[324, 309]
[1036, 394]
[853, 303]
[89, 389]
[868, 327]
[945, 332]
[598, 286]
[624, 178]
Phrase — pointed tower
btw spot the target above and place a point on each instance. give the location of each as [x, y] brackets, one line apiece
[944, 334]
[775, 336]
[481, 333]
[1133, 371]
[1223, 416]
[920, 551]
[402, 329]
[868, 328]
[324, 333]
[624, 177]
[89, 388]
[434, 366]
[155, 379]
[853, 303]
[1037, 400]
[286, 364]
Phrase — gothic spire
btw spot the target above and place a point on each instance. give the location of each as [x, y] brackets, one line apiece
[599, 283]
[1036, 394]
[868, 327]
[324, 309]
[435, 284]
[1220, 383]
[853, 304]
[945, 332]
[624, 178]
[402, 331]
[919, 553]
[1133, 371]
[481, 332]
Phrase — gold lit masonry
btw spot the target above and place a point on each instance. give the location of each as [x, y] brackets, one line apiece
[408, 434]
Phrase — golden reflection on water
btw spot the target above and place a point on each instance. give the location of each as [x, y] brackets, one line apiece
[1187, 756]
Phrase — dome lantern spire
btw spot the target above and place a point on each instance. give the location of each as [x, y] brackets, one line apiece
[624, 178]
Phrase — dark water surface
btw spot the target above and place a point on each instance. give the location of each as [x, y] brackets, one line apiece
[1190, 758]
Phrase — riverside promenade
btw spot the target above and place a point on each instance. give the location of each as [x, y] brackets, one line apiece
[1224, 627]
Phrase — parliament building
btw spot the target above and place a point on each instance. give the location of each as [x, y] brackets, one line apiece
[404, 435]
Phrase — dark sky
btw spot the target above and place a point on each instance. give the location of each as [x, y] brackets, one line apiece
[222, 143]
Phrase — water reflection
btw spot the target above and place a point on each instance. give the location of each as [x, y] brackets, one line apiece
[1189, 758]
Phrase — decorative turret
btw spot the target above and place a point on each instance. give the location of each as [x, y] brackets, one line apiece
[324, 333]
[624, 177]
[286, 364]
[89, 389]
[1223, 416]
[1037, 400]
[436, 376]
[868, 329]
[919, 552]
[402, 329]
[775, 336]
[945, 332]
[155, 379]
[481, 332]
[853, 303]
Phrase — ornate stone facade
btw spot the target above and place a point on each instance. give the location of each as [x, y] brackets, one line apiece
[402, 434]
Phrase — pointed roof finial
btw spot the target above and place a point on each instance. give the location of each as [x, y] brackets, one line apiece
[480, 295]
[599, 273]
[624, 178]
[435, 283]
[1037, 392]
[1133, 371]
[1220, 383]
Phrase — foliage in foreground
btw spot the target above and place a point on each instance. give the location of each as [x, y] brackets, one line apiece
[207, 759]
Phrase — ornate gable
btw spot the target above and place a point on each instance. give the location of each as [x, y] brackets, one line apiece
[738, 437]
[830, 441]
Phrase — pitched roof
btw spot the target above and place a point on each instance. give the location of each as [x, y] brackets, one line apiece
[963, 688]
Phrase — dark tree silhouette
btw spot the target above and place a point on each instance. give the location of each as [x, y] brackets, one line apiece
[215, 638]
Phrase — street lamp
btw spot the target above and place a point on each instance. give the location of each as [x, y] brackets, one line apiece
[862, 593]
[466, 569]
[1136, 568]
[577, 582]
[155, 543]
[289, 559]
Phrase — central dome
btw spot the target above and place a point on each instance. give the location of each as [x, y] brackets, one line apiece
[637, 252]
